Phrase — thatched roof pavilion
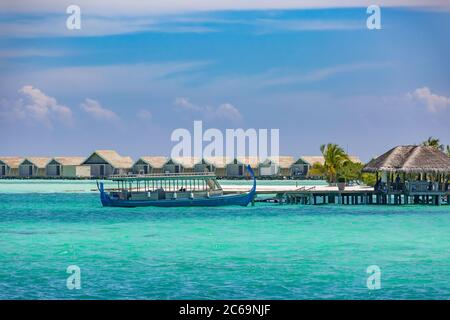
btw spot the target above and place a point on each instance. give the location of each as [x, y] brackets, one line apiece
[411, 159]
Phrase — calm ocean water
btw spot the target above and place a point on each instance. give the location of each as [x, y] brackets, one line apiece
[262, 252]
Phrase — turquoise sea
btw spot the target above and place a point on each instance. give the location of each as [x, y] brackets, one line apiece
[263, 252]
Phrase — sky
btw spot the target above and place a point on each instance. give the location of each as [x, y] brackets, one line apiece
[137, 70]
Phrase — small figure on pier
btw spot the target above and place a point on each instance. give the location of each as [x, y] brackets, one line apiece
[397, 183]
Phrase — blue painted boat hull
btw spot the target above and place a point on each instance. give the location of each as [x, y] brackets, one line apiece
[226, 200]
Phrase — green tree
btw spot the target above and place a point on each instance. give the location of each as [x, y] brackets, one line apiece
[334, 157]
[317, 170]
[369, 179]
[434, 142]
[350, 171]
[448, 150]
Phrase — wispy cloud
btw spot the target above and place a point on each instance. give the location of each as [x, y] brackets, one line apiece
[113, 17]
[51, 26]
[30, 52]
[282, 77]
[144, 114]
[35, 106]
[317, 75]
[103, 79]
[138, 7]
[433, 102]
[193, 22]
[96, 110]
[275, 25]
[225, 111]
[185, 104]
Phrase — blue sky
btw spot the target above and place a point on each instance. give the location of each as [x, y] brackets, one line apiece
[130, 77]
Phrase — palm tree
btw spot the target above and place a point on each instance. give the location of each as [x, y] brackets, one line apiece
[434, 142]
[334, 157]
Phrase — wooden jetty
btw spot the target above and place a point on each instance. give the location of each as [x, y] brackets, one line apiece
[353, 195]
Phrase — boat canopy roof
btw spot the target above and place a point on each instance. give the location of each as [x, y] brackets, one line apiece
[164, 176]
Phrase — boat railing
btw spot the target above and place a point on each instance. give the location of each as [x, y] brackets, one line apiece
[161, 175]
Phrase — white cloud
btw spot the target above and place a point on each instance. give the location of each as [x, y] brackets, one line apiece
[225, 111]
[36, 106]
[228, 111]
[95, 109]
[433, 102]
[93, 26]
[144, 114]
[185, 104]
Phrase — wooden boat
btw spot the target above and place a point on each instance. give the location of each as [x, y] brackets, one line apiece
[171, 190]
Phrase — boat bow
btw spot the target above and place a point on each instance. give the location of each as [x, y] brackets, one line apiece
[252, 192]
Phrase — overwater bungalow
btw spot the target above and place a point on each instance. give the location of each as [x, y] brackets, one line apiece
[299, 168]
[214, 164]
[150, 164]
[67, 167]
[107, 162]
[33, 167]
[285, 165]
[217, 164]
[9, 166]
[181, 164]
[411, 174]
[276, 166]
[237, 168]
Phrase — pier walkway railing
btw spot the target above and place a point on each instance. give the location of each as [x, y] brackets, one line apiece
[413, 187]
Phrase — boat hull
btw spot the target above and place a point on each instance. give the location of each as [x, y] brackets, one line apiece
[226, 200]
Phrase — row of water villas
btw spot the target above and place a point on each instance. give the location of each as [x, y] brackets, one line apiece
[99, 164]
[103, 163]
